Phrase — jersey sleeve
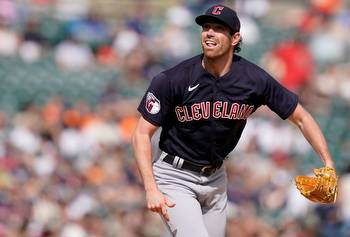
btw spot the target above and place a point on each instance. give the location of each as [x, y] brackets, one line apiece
[155, 103]
[278, 98]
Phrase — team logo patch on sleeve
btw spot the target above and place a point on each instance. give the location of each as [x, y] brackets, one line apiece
[152, 104]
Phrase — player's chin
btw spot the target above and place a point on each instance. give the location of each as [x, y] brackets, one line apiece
[208, 51]
[210, 54]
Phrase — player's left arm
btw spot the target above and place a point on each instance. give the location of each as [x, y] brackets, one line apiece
[313, 134]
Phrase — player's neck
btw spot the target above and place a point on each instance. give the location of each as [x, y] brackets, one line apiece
[217, 66]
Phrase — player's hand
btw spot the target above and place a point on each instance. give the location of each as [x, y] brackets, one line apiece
[158, 202]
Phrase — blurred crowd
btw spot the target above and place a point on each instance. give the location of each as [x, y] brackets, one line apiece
[67, 169]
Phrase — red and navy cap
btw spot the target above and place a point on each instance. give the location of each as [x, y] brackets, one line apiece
[223, 14]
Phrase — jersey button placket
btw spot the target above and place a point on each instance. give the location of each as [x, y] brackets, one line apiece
[213, 124]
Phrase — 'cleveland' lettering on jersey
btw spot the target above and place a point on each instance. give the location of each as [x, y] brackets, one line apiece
[218, 109]
[203, 116]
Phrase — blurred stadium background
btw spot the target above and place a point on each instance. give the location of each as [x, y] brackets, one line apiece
[72, 73]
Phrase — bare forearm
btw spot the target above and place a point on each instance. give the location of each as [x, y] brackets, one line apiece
[313, 135]
[141, 141]
[143, 155]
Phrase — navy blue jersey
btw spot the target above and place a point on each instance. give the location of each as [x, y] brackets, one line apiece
[202, 117]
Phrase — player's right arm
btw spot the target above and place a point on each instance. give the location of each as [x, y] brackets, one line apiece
[141, 141]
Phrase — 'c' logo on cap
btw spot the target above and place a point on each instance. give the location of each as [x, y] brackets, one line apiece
[217, 10]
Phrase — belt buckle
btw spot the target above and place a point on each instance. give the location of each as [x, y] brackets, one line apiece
[206, 171]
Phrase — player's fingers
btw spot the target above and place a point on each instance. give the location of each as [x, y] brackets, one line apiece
[150, 207]
[166, 217]
[169, 203]
[165, 213]
[154, 207]
[158, 207]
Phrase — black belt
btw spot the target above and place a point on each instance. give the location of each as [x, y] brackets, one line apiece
[205, 170]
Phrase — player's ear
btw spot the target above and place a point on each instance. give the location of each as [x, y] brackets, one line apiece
[235, 38]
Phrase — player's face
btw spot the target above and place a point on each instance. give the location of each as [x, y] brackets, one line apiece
[217, 40]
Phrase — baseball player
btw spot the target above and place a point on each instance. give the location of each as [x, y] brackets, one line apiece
[202, 106]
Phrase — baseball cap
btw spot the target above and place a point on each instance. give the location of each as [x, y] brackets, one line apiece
[223, 14]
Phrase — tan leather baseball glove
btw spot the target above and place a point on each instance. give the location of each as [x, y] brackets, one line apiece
[322, 188]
